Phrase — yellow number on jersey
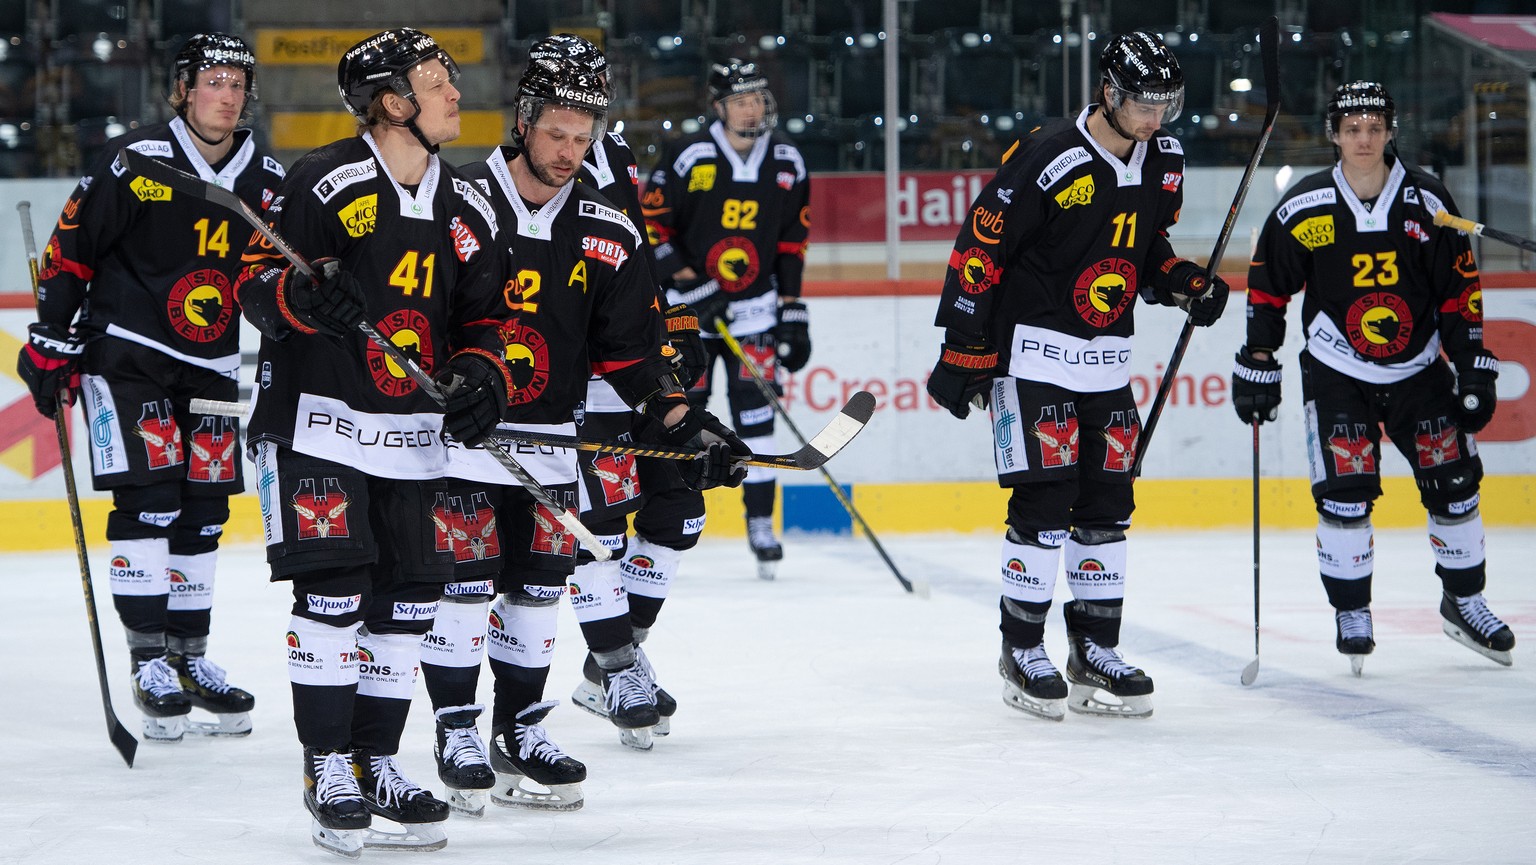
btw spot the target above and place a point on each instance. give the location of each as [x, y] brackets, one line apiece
[405, 273]
[217, 243]
[518, 291]
[1380, 269]
[1125, 223]
[738, 215]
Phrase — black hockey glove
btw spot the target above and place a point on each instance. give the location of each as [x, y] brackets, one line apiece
[1255, 387]
[1187, 288]
[476, 395]
[334, 306]
[1476, 371]
[793, 333]
[963, 374]
[689, 358]
[50, 365]
[718, 466]
[707, 300]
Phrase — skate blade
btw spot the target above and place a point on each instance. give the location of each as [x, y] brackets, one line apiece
[589, 698]
[663, 727]
[346, 843]
[1087, 700]
[1506, 658]
[227, 725]
[1050, 710]
[1356, 664]
[517, 791]
[410, 838]
[638, 738]
[767, 569]
[165, 731]
[467, 803]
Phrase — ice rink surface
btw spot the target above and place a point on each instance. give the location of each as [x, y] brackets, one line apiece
[829, 717]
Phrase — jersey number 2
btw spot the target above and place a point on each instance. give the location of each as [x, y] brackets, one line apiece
[738, 214]
[1380, 269]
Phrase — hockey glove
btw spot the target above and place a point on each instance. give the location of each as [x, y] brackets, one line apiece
[963, 374]
[476, 395]
[793, 333]
[1187, 288]
[688, 358]
[717, 466]
[334, 306]
[1255, 387]
[707, 300]
[50, 365]
[1476, 373]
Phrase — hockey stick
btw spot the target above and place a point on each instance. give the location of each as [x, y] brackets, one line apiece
[122, 740]
[1251, 671]
[1269, 51]
[832, 438]
[1461, 223]
[920, 587]
[180, 181]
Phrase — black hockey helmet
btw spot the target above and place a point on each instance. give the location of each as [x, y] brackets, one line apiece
[568, 71]
[737, 77]
[384, 61]
[1360, 97]
[206, 50]
[1138, 66]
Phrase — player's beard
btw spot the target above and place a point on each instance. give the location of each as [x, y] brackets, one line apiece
[542, 174]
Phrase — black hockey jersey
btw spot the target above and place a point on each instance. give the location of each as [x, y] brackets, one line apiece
[580, 300]
[742, 220]
[150, 265]
[1055, 250]
[429, 261]
[1386, 287]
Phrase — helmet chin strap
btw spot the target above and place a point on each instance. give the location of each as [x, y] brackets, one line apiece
[410, 123]
[1109, 117]
[192, 128]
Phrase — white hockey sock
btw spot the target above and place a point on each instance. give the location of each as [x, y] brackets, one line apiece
[1345, 552]
[1096, 572]
[387, 665]
[1029, 572]
[457, 638]
[323, 655]
[648, 568]
[760, 445]
[190, 580]
[1458, 542]
[523, 636]
[597, 592]
[140, 567]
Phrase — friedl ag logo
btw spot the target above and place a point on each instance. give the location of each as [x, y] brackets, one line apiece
[148, 190]
[361, 215]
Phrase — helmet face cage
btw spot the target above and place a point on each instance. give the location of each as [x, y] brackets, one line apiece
[205, 51]
[567, 71]
[733, 79]
[1360, 97]
[1139, 67]
[384, 62]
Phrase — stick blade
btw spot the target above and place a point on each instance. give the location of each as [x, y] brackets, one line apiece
[850, 421]
[122, 740]
[1269, 53]
[1250, 672]
[159, 172]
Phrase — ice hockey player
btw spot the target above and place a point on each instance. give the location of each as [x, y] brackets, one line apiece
[579, 299]
[351, 446]
[1387, 291]
[728, 210]
[1037, 309]
[151, 274]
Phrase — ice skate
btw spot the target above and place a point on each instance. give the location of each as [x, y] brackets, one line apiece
[1355, 636]
[389, 794]
[463, 764]
[1031, 683]
[765, 546]
[1096, 672]
[204, 684]
[332, 797]
[157, 692]
[1469, 622]
[525, 759]
[666, 706]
